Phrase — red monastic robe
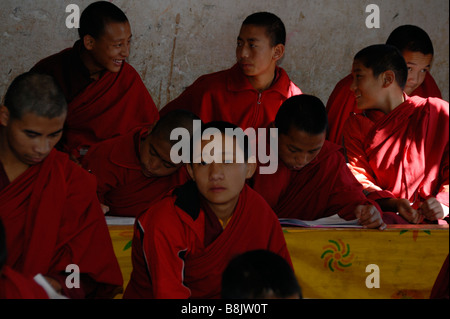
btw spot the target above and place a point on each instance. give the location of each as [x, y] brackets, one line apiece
[322, 188]
[440, 288]
[14, 285]
[170, 258]
[342, 103]
[228, 96]
[52, 219]
[121, 184]
[98, 110]
[403, 154]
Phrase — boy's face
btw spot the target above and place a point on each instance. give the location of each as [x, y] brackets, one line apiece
[254, 52]
[220, 183]
[155, 157]
[31, 138]
[368, 90]
[418, 66]
[111, 49]
[298, 148]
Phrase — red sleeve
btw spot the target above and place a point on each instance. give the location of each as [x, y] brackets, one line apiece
[347, 192]
[340, 105]
[160, 246]
[356, 129]
[190, 99]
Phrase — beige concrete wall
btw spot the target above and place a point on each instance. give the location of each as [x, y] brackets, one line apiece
[175, 41]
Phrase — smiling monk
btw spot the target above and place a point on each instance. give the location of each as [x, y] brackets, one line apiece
[106, 95]
[250, 93]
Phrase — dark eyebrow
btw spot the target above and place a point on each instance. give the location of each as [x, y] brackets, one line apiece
[298, 149]
[157, 154]
[40, 134]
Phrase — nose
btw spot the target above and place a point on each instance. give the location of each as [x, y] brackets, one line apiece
[153, 165]
[215, 171]
[43, 146]
[353, 85]
[301, 160]
[413, 77]
[125, 52]
[242, 52]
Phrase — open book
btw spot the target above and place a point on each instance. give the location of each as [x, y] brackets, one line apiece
[333, 221]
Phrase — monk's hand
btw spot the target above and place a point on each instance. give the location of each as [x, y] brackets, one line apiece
[431, 209]
[407, 212]
[54, 283]
[369, 217]
[105, 208]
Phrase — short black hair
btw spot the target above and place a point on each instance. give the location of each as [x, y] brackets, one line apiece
[383, 57]
[94, 18]
[172, 120]
[35, 93]
[225, 128]
[257, 274]
[302, 112]
[274, 26]
[411, 38]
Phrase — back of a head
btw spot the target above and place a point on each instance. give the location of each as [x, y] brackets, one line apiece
[259, 274]
[35, 93]
[383, 57]
[173, 120]
[96, 15]
[302, 112]
[411, 38]
[274, 26]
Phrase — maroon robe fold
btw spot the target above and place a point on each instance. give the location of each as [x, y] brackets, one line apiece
[322, 188]
[121, 184]
[52, 219]
[98, 110]
[404, 153]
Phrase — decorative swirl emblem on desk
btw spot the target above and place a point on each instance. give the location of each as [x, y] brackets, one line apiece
[337, 255]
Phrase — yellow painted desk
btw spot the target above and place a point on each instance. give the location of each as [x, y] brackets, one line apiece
[331, 263]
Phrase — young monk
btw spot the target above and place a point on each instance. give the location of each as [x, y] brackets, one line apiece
[417, 50]
[398, 147]
[250, 93]
[48, 204]
[106, 95]
[183, 243]
[312, 180]
[136, 169]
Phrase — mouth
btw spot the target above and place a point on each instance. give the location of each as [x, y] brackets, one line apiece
[118, 62]
[297, 168]
[217, 189]
[36, 160]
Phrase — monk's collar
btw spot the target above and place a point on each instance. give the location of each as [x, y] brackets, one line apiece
[237, 81]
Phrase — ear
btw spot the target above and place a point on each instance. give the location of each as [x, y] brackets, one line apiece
[388, 78]
[4, 115]
[88, 42]
[251, 168]
[278, 52]
[190, 170]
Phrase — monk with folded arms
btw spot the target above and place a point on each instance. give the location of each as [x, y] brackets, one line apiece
[183, 243]
[398, 147]
[106, 95]
[417, 49]
[48, 204]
